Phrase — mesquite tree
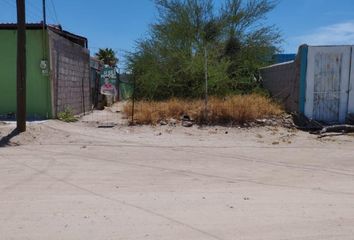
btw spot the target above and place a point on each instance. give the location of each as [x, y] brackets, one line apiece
[192, 41]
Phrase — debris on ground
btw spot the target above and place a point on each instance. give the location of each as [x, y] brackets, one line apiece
[107, 125]
[172, 122]
[350, 119]
[315, 127]
[303, 123]
[338, 129]
[187, 123]
[163, 123]
[285, 121]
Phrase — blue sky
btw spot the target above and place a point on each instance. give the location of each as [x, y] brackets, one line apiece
[119, 23]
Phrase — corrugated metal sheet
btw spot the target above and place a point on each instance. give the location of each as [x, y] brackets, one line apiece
[327, 83]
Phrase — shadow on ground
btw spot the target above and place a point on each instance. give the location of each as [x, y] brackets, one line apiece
[6, 140]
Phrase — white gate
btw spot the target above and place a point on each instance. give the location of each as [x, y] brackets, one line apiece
[327, 90]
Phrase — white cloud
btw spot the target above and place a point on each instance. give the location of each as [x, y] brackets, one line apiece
[341, 33]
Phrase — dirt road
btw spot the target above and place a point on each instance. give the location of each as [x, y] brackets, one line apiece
[77, 181]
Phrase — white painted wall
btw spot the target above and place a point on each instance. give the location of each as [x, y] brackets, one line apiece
[328, 53]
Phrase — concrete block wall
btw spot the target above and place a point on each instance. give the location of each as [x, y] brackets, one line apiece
[282, 81]
[70, 74]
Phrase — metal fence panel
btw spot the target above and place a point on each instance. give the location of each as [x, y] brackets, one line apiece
[327, 83]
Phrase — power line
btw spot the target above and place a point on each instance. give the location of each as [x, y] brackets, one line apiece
[55, 12]
[32, 15]
[50, 12]
[38, 9]
[33, 10]
[9, 4]
[2, 16]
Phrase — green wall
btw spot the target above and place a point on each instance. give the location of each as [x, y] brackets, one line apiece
[38, 86]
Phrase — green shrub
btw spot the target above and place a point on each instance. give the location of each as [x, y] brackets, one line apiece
[67, 115]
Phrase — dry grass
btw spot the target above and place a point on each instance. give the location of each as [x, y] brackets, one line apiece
[235, 109]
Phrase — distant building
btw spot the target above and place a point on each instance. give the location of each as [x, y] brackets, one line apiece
[319, 83]
[57, 74]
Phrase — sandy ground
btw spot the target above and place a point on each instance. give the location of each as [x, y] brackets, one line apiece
[77, 181]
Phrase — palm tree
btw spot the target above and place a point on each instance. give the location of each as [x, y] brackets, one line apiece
[107, 56]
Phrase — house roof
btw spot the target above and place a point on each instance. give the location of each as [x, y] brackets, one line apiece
[10, 26]
[82, 41]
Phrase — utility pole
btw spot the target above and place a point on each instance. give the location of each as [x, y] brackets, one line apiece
[44, 13]
[44, 27]
[21, 66]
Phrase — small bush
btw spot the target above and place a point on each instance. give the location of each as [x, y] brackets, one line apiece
[67, 116]
[234, 109]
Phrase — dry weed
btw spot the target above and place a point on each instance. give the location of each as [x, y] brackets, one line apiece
[234, 109]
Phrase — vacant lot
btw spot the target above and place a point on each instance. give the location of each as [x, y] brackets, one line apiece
[77, 181]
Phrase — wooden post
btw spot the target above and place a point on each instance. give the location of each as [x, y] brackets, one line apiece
[21, 66]
[133, 103]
